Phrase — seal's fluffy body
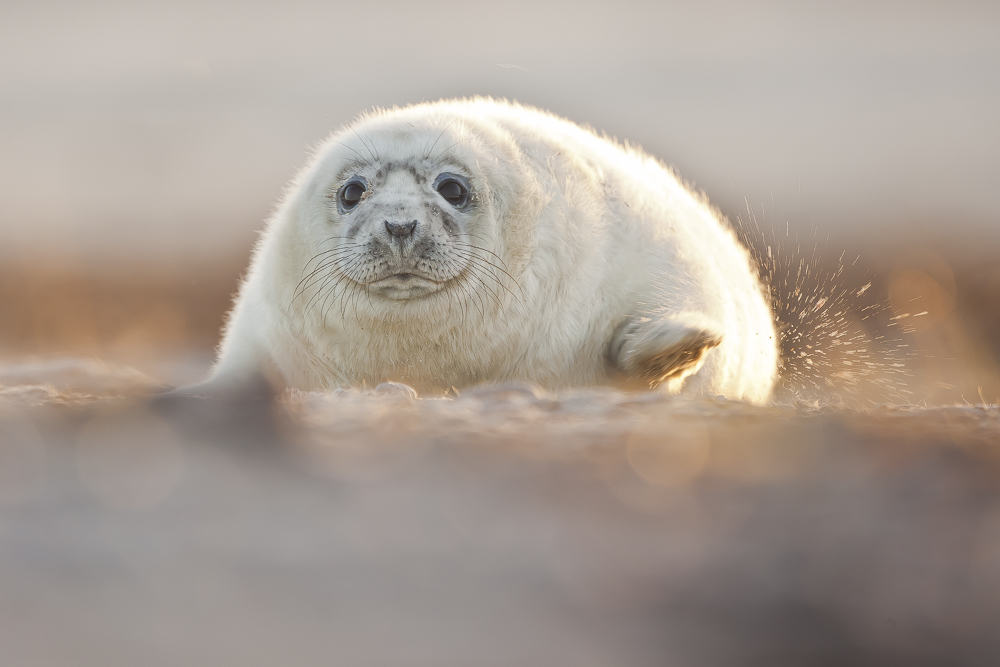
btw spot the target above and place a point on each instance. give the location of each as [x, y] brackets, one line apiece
[575, 261]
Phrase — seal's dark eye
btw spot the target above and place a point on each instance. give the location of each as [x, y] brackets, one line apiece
[454, 191]
[351, 193]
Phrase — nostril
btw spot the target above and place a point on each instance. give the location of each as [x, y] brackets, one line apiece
[400, 229]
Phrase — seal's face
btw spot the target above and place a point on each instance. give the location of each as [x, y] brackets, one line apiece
[423, 216]
[403, 226]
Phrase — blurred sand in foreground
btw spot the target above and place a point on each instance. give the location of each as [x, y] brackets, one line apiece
[506, 526]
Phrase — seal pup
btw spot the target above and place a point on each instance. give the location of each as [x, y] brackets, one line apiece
[461, 242]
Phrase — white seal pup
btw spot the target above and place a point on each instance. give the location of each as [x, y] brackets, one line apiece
[455, 243]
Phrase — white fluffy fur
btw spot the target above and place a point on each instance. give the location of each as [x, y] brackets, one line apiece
[583, 250]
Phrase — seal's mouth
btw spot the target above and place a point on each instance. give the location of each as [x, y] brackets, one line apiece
[406, 277]
[405, 285]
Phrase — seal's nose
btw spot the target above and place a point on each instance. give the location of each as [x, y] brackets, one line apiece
[400, 230]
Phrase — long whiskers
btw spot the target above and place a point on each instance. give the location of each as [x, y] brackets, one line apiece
[371, 148]
[469, 250]
[484, 240]
[427, 155]
[366, 161]
[337, 278]
[437, 161]
[330, 259]
[466, 288]
[486, 268]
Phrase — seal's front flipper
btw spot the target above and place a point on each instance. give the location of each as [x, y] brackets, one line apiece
[663, 350]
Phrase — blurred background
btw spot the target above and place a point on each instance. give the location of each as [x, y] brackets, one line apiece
[142, 146]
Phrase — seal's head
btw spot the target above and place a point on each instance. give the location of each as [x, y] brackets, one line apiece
[403, 225]
[412, 209]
